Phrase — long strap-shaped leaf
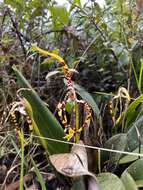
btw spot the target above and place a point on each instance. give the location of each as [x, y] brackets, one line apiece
[45, 123]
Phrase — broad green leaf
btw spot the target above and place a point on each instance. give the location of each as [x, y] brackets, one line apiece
[117, 142]
[47, 125]
[128, 181]
[130, 158]
[35, 127]
[88, 98]
[132, 136]
[109, 181]
[136, 170]
[133, 141]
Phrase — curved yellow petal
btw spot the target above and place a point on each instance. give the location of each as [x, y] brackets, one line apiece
[46, 53]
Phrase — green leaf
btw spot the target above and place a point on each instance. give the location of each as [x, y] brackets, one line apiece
[60, 17]
[78, 184]
[134, 141]
[132, 136]
[128, 181]
[45, 124]
[132, 111]
[117, 142]
[139, 183]
[121, 53]
[40, 178]
[136, 170]
[18, 4]
[109, 181]
[77, 2]
[69, 107]
[140, 76]
[88, 98]
[131, 158]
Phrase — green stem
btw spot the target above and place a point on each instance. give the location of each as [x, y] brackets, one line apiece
[99, 161]
[135, 75]
[22, 160]
[76, 121]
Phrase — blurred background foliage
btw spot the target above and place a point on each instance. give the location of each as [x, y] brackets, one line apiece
[105, 40]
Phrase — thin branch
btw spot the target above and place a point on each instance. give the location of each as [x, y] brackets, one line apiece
[95, 24]
[17, 32]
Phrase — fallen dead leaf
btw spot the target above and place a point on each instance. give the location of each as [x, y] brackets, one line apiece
[74, 164]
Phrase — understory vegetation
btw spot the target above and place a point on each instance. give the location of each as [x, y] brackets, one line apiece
[71, 101]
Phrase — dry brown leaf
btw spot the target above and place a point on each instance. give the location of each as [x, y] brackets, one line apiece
[80, 151]
[68, 164]
[74, 164]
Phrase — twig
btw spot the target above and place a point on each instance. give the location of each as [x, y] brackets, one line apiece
[95, 24]
[17, 32]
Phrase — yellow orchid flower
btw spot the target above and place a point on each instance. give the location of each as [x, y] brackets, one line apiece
[72, 133]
